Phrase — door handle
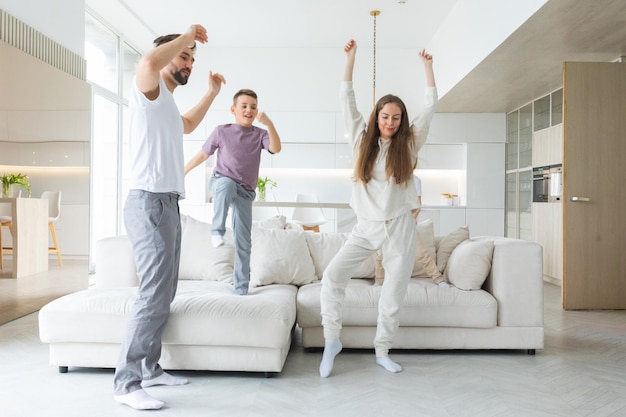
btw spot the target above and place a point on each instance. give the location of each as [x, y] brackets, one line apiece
[577, 199]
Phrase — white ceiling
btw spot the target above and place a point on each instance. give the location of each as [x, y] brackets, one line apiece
[525, 66]
[293, 23]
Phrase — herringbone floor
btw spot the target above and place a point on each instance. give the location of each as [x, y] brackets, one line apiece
[581, 372]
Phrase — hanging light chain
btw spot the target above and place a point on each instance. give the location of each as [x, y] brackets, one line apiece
[374, 13]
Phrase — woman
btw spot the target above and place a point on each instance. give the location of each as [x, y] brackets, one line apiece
[383, 198]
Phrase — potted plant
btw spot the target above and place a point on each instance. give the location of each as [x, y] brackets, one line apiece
[9, 180]
[262, 185]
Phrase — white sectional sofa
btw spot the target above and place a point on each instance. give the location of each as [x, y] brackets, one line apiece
[212, 328]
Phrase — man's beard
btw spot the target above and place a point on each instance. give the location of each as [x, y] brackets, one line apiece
[180, 78]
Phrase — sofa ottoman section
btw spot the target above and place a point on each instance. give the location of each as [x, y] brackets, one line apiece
[210, 327]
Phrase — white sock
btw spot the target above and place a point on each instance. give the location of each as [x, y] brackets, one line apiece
[332, 347]
[139, 400]
[163, 379]
[444, 284]
[388, 364]
[217, 240]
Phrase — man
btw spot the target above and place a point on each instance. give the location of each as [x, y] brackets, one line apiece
[151, 212]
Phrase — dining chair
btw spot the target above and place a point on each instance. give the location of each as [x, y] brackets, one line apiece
[6, 220]
[54, 212]
[310, 218]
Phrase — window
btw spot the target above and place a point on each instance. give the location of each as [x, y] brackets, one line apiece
[101, 53]
[111, 64]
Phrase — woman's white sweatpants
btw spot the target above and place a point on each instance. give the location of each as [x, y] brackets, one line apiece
[397, 239]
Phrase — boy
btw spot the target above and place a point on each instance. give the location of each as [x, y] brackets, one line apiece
[235, 176]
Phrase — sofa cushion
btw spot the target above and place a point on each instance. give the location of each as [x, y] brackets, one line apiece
[469, 264]
[275, 222]
[324, 246]
[198, 258]
[280, 257]
[447, 244]
[425, 304]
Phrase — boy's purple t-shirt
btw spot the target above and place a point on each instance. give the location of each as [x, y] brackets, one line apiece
[239, 155]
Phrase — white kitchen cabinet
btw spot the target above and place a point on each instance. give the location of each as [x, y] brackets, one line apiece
[485, 222]
[485, 183]
[430, 214]
[548, 232]
[442, 156]
[556, 145]
[445, 219]
[304, 127]
[548, 146]
[343, 156]
[45, 154]
[294, 155]
[541, 148]
[451, 219]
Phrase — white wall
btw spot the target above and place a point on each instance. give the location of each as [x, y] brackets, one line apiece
[45, 118]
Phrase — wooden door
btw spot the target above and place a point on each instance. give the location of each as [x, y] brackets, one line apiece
[594, 186]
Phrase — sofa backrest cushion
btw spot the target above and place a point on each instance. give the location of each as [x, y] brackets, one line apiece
[115, 263]
[198, 258]
[280, 257]
[469, 264]
[447, 243]
[323, 248]
[426, 241]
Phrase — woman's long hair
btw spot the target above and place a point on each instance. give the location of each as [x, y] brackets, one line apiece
[400, 163]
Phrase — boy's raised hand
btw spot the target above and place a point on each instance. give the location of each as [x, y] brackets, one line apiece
[261, 117]
[215, 81]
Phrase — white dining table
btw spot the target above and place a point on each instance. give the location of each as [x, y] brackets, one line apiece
[300, 204]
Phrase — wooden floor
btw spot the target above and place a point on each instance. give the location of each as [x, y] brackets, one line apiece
[21, 296]
[581, 372]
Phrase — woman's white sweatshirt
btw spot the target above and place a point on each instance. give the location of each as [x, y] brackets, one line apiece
[380, 199]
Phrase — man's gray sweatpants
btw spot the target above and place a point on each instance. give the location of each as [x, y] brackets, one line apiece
[152, 223]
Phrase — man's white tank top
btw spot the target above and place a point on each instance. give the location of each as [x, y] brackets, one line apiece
[156, 142]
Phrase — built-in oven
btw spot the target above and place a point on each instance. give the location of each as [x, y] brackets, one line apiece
[547, 184]
[541, 184]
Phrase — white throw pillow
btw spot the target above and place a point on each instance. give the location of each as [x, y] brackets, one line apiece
[276, 222]
[280, 257]
[447, 245]
[469, 264]
[323, 248]
[198, 258]
[426, 240]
